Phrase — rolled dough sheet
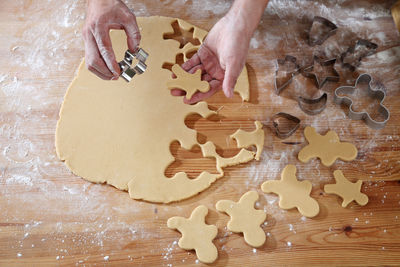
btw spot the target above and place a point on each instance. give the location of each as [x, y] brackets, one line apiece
[120, 133]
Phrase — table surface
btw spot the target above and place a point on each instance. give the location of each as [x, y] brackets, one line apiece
[49, 216]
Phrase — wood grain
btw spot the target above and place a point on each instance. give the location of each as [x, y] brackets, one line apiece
[50, 217]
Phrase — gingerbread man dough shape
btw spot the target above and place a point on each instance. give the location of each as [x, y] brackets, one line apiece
[245, 218]
[190, 83]
[245, 139]
[326, 147]
[196, 234]
[347, 190]
[293, 193]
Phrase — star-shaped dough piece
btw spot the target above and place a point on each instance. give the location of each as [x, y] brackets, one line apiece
[326, 147]
[196, 234]
[245, 139]
[347, 190]
[293, 193]
[245, 218]
[190, 83]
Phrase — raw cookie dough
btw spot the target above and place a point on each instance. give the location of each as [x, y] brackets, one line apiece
[326, 147]
[196, 234]
[245, 218]
[245, 139]
[190, 83]
[293, 193]
[347, 190]
[120, 133]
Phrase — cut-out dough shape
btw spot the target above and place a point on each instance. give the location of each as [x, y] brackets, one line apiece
[120, 133]
[245, 218]
[245, 139]
[196, 234]
[347, 190]
[190, 83]
[293, 193]
[326, 147]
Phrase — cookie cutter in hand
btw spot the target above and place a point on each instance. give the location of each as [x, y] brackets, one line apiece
[356, 53]
[295, 68]
[378, 94]
[278, 131]
[313, 106]
[308, 72]
[319, 38]
[127, 71]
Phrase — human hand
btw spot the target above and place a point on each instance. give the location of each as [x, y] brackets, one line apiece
[101, 16]
[223, 53]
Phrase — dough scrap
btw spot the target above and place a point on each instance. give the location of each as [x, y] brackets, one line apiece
[293, 193]
[245, 139]
[326, 147]
[245, 218]
[190, 83]
[209, 150]
[120, 133]
[347, 190]
[196, 234]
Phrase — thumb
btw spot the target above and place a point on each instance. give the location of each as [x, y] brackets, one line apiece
[232, 72]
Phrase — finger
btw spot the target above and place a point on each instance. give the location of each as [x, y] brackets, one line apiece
[211, 63]
[133, 34]
[103, 41]
[193, 61]
[215, 86]
[206, 77]
[94, 61]
[197, 67]
[177, 92]
[231, 74]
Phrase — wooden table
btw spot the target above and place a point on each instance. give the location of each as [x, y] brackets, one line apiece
[50, 217]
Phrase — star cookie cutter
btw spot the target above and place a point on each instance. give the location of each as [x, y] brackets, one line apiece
[321, 29]
[351, 59]
[308, 72]
[127, 72]
[313, 106]
[378, 94]
[291, 130]
[289, 62]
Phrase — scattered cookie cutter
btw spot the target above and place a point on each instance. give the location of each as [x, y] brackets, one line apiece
[356, 53]
[308, 71]
[127, 72]
[278, 131]
[324, 29]
[313, 106]
[378, 94]
[290, 74]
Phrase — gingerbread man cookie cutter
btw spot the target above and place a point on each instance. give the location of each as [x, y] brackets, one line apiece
[196, 234]
[245, 218]
[347, 190]
[354, 115]
[292, 192]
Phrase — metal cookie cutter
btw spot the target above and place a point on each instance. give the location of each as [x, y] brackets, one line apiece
[353, 56]
[285, 133]
[309, 71]
[289, 66]
[378, 94]
[127, 72]
[321, 29]
[313, 106]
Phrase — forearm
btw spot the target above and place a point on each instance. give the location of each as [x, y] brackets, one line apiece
[248, 13]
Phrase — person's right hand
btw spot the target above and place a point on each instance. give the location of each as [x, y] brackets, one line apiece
[101, 16]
